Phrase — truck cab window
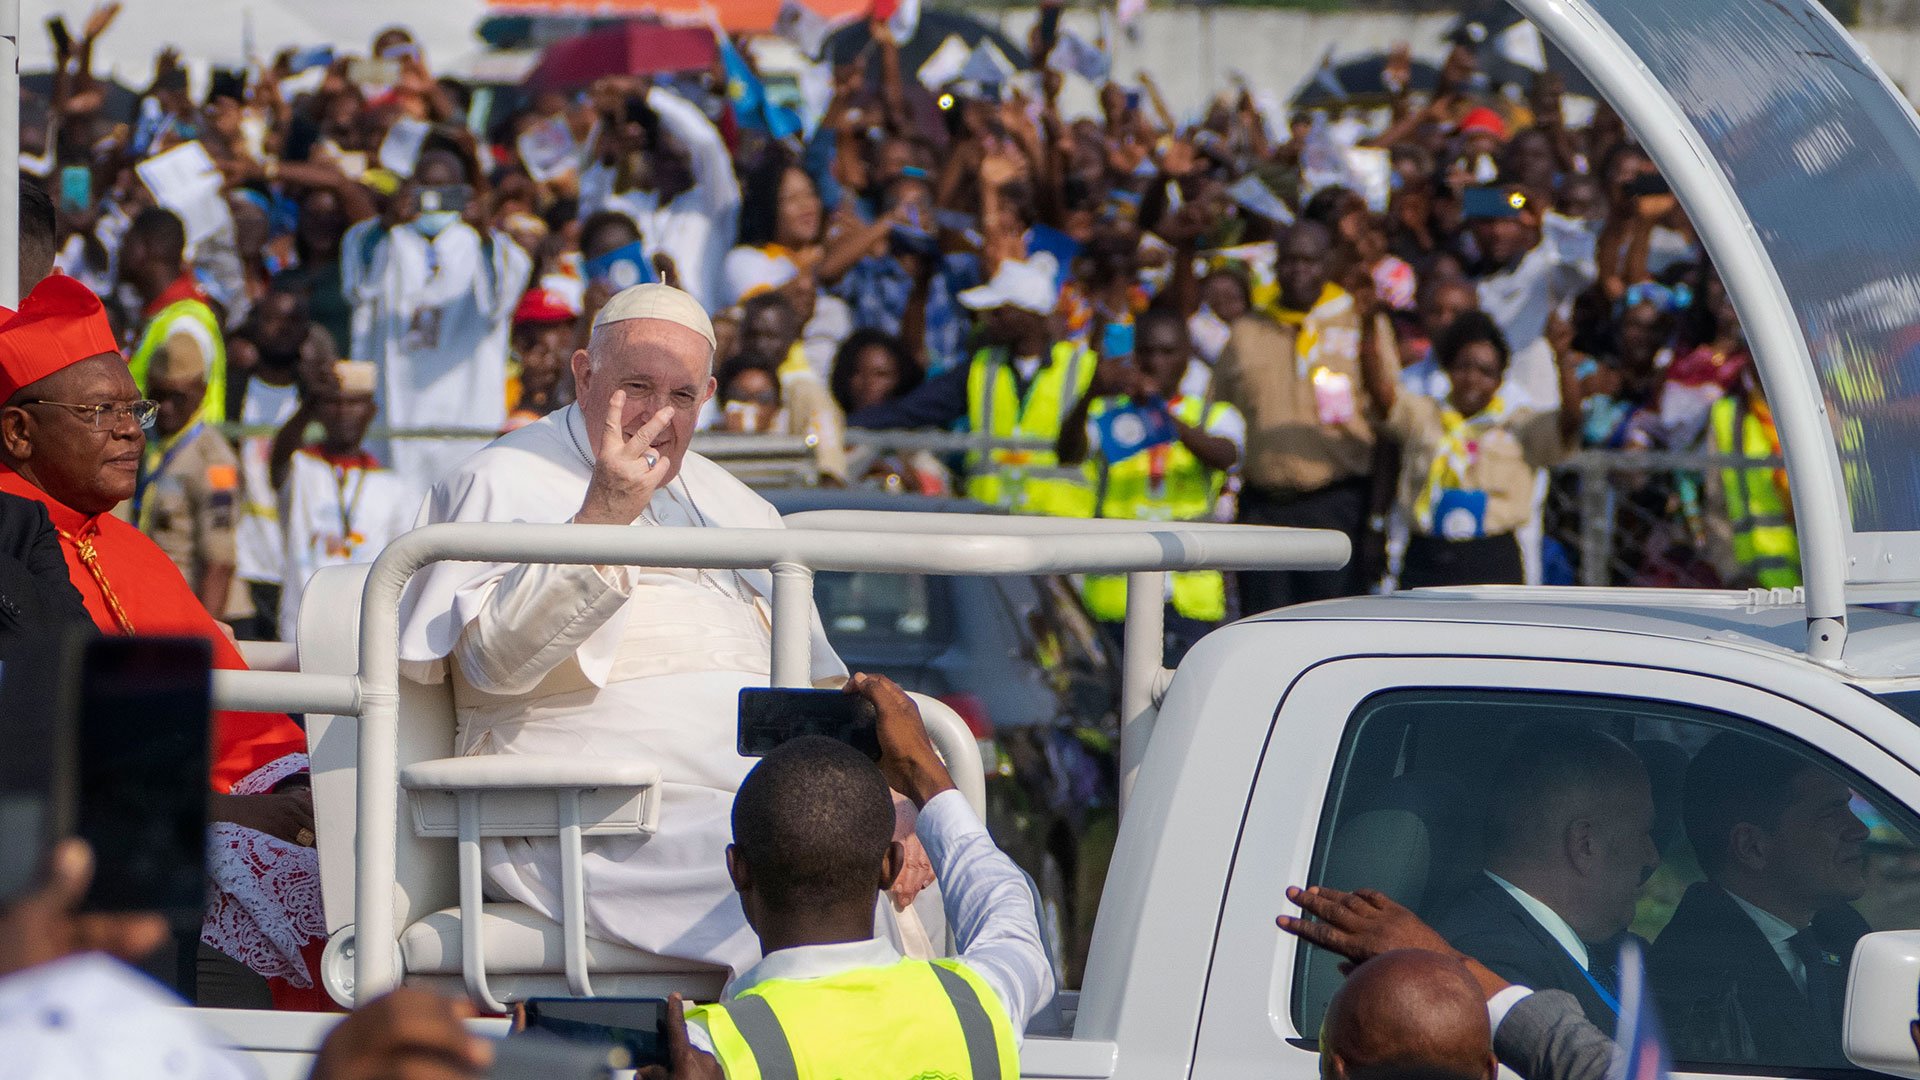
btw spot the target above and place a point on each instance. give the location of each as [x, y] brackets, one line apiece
[1539, 831]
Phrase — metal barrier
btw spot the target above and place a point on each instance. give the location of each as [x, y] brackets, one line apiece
[1640, 517]
[836, 541]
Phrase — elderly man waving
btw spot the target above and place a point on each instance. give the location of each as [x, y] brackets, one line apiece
[611, 660]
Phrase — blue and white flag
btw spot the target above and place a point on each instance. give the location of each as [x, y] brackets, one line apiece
[1126, 432]
[1640, 1049]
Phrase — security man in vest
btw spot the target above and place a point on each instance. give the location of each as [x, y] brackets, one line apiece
[1765, 545]
[1178, 479]
[812, 854]
[175, 315]
[1021, 385]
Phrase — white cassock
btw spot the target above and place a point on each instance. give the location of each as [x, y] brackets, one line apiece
[613, 662]
[434, 315]
[336, 514]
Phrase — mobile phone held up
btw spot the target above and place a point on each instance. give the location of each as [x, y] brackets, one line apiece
[769, 718]
[634, 1029]
[108, 739]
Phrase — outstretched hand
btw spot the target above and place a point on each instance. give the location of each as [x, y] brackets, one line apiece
[1358, 925]
[626, 471]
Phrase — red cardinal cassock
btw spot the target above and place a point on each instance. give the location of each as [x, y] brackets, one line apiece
[265, 908]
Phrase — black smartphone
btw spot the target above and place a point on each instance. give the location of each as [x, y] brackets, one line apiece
[40, 726]
[1647, 184]
[439, 197]
[539, 1056]
[146, 721]
[62, 39]
[635, 1026]
[771, 717]
[1491, 202]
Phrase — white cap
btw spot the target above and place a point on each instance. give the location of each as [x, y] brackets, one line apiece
[655, 301]
[1027, 285]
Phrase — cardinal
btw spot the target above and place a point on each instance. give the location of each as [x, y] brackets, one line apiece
[72, 438]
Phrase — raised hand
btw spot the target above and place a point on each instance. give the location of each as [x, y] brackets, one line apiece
[626, 471]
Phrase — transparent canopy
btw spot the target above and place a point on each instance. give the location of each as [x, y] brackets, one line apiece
[1825, 160]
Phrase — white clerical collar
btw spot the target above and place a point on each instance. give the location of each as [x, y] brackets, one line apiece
[814, 962]
[1546, 917]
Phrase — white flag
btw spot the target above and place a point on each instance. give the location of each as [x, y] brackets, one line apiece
[904, 21]
[803, 26]
[1521, 44]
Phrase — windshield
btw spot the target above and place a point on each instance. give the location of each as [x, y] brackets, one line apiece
[1827, 165]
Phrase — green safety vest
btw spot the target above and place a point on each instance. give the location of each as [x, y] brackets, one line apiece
[214, 409]
[916, 1019]
[1764, 541]
[1187, 490]
[1027, 481]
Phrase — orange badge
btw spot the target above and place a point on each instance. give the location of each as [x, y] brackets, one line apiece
[223, 477]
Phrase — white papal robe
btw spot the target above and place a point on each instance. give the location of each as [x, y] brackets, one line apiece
[608, 661]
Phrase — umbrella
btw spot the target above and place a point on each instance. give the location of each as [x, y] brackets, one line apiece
[936, 26]
[630, 48]
[1359, 81]
[121, 103]
[515, 17]
[1485, 31]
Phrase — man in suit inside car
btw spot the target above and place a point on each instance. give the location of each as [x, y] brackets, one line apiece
[1569, 845]
[1753, 966]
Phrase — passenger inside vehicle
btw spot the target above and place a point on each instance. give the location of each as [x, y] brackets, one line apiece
[1753, 965]
[1570, 843]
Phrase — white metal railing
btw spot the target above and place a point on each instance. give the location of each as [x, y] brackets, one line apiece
[832, 540]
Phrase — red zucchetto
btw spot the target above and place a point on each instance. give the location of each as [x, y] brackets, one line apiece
[60, 323]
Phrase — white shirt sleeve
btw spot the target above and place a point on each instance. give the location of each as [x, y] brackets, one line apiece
[715, 186]
[1502, 1003]
[988, 906]
[534, 619]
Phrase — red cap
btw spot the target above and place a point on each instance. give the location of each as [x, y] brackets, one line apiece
[1483, 119]
[59, 324]
[542, 306]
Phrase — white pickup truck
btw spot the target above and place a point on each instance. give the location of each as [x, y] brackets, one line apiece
[1349, 742]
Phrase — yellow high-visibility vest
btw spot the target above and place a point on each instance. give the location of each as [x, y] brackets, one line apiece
[1185, 492]
[1764, 540]
[213, 409]
[1027, 481]
[915, 1018]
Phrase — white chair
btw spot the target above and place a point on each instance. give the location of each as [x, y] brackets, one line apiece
[452, 802]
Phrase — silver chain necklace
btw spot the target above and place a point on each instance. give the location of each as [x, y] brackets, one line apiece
[740, 590]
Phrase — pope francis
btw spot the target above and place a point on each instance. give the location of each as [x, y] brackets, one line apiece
[607, 660]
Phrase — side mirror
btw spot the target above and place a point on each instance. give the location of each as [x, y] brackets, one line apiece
[1880, 1003]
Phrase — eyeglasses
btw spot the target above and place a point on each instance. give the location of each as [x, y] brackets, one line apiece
[108, 415]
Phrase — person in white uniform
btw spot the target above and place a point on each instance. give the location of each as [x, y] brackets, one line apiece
[433, 302]
[340, 505]
[611, 660]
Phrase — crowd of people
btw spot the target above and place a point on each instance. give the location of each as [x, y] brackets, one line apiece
[1393, 325]
[1391, 320]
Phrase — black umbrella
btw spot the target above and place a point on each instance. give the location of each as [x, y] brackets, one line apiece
[121, 103]
[1360, 81]
[1480, 31]
[849, 42]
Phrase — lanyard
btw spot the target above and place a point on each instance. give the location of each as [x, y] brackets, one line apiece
[346, 507]
[166, 460]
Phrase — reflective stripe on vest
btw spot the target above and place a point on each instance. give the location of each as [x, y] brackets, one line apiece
[1028, 481]
[1764, 539]
[1187, 493]
[213, 408]
[885, 1021]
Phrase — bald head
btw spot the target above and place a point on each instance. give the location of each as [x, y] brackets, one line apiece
[1408, 1014]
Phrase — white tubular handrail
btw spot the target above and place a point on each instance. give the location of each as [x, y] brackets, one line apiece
[858, 541]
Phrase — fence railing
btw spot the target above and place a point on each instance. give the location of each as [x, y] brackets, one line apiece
[1623, 516]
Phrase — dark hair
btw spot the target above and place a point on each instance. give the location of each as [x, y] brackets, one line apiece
[161, 230]
[742, 362]
[813, 822]
[759, 302]
[846, 361]
[1540, 768]
[1158, 313]
[1735, 778]
[605, 221]
[1471, 328]
[760, 196]
[39, 233]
